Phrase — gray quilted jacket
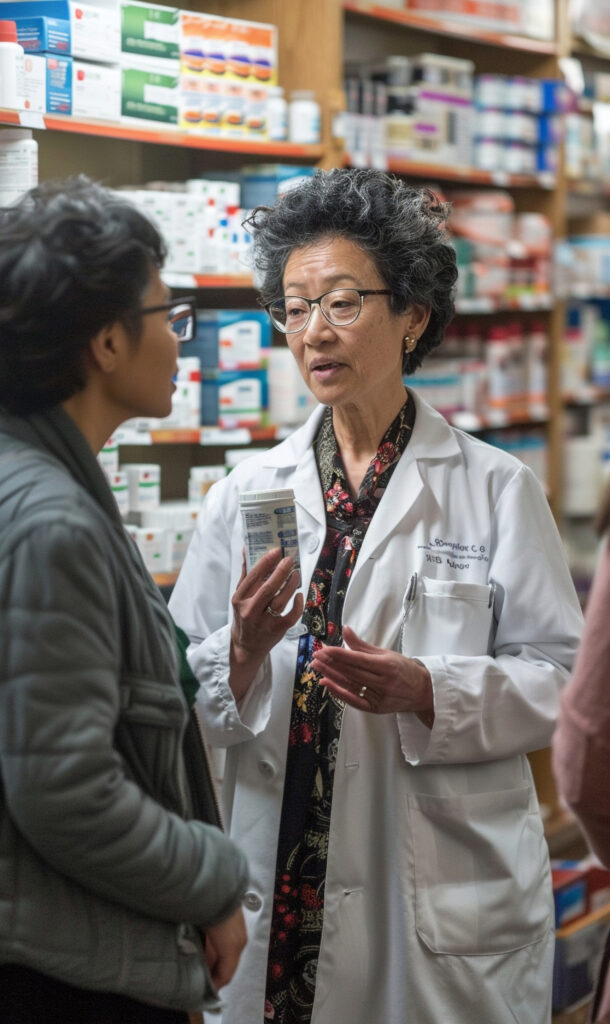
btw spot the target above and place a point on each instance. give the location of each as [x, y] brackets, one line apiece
[105, 867]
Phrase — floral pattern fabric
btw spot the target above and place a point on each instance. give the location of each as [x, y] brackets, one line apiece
[315, 727]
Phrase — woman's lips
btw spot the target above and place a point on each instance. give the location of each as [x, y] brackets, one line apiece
[323, 371]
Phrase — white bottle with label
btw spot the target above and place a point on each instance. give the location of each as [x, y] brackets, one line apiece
[304, 117]
[11, 67]
[277, 114]
[18, 164]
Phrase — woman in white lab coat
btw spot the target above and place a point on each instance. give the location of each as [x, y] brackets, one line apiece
[376, 770]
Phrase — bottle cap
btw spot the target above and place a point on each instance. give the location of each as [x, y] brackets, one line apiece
[8, 32]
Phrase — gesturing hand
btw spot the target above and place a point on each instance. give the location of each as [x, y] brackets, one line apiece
[259, 617]
[223, 947]
[373, 679]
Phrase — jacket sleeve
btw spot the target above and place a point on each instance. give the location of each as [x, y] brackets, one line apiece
[205, 616]
[581, 745]
[67, 788]
[494, 706]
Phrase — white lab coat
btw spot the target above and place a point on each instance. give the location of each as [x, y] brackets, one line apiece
[438, 905]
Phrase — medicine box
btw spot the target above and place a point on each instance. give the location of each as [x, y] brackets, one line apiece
[58, 84]
[231, 399]
[149, 90]
[94, 27]
[232, 339]
[228, 49]
[569, 894]
[260, 185]
[578, 949]
[43, 35]
[149, 30]
[35, 83]
[96, 91]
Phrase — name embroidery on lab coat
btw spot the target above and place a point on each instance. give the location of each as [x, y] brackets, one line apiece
[454, 553]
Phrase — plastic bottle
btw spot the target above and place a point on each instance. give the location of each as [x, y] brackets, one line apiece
[277, 114]
[18, 164]
[11, 67]
[304, 117]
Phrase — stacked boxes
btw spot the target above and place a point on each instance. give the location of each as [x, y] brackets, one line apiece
[149, 62]
[232, 346]
[518, 124]
[55, 36]
[226, 67]
[202, 227]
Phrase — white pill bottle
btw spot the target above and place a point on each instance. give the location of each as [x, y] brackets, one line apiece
[269, 521]
[18, 163]
[11, 67]
[304, 117]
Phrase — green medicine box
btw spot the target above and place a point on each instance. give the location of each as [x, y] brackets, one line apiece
[149, 91]
[150, 30]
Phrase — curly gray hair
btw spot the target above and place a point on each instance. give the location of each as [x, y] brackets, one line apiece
[399, 226]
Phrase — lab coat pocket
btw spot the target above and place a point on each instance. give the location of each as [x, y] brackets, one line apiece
[446, 617]
[481, 872]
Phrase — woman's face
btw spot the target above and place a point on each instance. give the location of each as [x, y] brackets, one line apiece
[144, 384]
[354, 364]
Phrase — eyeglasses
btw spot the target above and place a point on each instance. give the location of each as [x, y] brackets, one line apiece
[181, 315]
[340, 306]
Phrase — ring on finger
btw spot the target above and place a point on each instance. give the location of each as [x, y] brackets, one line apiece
[362, 691]
[270, 611]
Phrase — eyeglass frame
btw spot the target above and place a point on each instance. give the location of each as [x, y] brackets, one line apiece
[317, 302]
[188, 300]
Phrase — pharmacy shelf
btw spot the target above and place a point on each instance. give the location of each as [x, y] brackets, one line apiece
[520, 303]
[590, 395]
[470, 175]
[161, 136]
[448, 27]
[582, 187]
[473, 423]
[178, 280]
[205, 436]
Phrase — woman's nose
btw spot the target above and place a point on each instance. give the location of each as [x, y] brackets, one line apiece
[318, 328]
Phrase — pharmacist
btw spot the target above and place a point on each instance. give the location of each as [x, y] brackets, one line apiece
[376, 771]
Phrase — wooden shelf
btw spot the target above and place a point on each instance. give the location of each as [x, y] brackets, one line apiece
[179, 280]
[448, 27]
[520, 304]
[160, 136]
[470, 175]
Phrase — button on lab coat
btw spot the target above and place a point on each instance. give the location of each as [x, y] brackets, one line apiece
[438, 904]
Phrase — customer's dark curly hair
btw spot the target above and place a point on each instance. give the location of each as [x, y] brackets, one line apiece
[74, 257]
[399, 226]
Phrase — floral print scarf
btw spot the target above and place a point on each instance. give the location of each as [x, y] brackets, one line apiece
[315, 726]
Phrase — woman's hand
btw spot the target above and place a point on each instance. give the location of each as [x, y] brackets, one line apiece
[223, 947]
[373, 679]
[259, 615]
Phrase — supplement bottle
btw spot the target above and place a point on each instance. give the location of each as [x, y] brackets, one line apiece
[303, 117]
[277, 114]
[18, 163]
[11, 67]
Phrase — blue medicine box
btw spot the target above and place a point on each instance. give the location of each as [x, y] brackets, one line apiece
[261, 185]
[229, 339]
[231, 399]
[59, 84]
[43, 35]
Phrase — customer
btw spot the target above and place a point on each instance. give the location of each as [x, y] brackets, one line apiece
[581, 745]
[107, 877]
[376, 771]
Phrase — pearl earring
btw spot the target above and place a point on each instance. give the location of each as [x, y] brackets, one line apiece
[409, 342]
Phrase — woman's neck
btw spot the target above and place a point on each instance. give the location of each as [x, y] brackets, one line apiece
[359, 429]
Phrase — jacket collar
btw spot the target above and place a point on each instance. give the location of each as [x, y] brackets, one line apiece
[54, 432]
